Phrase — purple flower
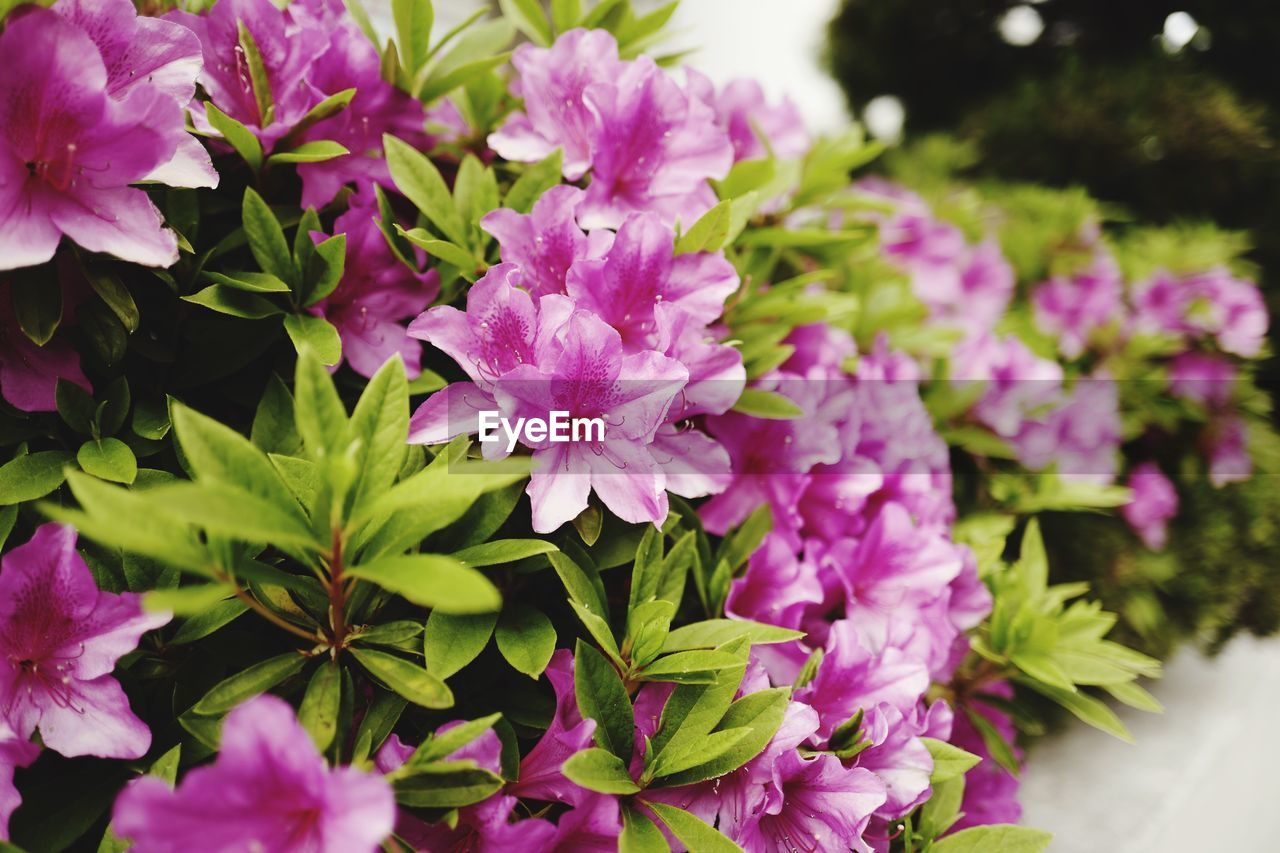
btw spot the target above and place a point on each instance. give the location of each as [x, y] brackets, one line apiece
[29, 374]
[553, 81]
[639, 273]
[376, 294]
[1231, 309]
[1229, 460]
[143, 52]
[547, 241]
[69, 150]
[1202, 378]
[745, 114]
[1154, 502]
[268, 789]
[815, 804]
[14, 752]
[853, 678]
[1072, 308]
[60, 638]
[288, 44]
[650, 146]
[540, 775]
[779, 589]
[1081, 436]
[990, 791]
[1018, 384]
[591, 377]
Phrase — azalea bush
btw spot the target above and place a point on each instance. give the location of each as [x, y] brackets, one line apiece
[501, 438]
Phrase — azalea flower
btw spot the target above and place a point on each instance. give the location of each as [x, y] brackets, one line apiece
[745, 114]
[14, 752]
[1072, 308]
[1203, 378]
[69, 150]
[376, 295]
[1154, 503]
[540, 775]
[268, 789]
[60, 638]
[545, 242]
[640, 272]
[1229, 460]
[990, 791]
[1017, 384]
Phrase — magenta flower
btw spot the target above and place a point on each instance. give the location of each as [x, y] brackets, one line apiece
[745, 114]
[29, 374]
[1018, 385]
[14, 752]
[640, 272]
[815, 804]
[376, 295]
[268, 789]
[990, 791]
[547, 241]
[60, 638]
[1080, 437]
[1231, 309]
[592, 378]
[69, 150]
[1229, 460]
[1203, 378]
[553, 81]
[540, 775]
[142, 52]
[1154, 503]
[1072, 308]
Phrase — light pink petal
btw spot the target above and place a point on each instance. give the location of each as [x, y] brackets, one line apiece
[628, 480]
[558, 487]
[450, 412]
[96, 721]
[120, 221]
[189, 167]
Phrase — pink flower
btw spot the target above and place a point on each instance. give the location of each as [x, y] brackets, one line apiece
[649, 145]
[640, 272]
[142, 52]
[990, 791]
[547, 241]
[1229, 460]
[1154, 502]
[14, 752]
[1202, 378]
[591, 377]
[815, 804]
[745, 114]
[1018, 385]
[69, 150]
[29, 374]
[540, 775]
[268, 789]
[376, 295]
[1072, 308]
[60, 638]
[1080, 437]
[1232, 310]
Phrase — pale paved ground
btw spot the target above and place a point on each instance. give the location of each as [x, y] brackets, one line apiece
[1201, 777]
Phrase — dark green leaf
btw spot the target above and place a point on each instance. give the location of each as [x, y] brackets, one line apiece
[452, 642]
[315, 333]
[598, 770]
[716, 632]
[526, 638]
[241, 138]
[266, 238]
[502, 551]
[318, 712]
[603, 697]
[412, 682]
[257, 679]
[432, 580]
[108, 459]
[32, 476]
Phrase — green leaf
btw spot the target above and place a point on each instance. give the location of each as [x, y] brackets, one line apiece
[381, 421]
[444, 744]
[1135, 697]
[534, 181]
[117, 298]
[413, 20]
[219, 454]
[318, 712]
[694, 710]
[241, 138]
[230, 511]
[432, 580]
[208, 620]
[702, 666]
[526, 638]
[475, 191]
[998, 748]
[603, 697]
[447, 785]
[274, 429]
[758, 715]
[234, 302]
[252, 282]
[438, 84]
[583, 587]
[1083, 706]
[412, 682]
[324, 271]
[315, 333]
[692, 832]
[739, 545]
[601, 771]
[502, 551]
[716, 632]
[528, 17]
[257, 679]
[452, 642]
[647, 626]
[942, 809]
[949, 761]
[565, 14]
[259, 81]
[419, 180]
[266, 238]
[768, 405]
[746, 176]
[316, 151]
[708, 234]
[994, 838]
[37, 303]
[328, 108]
[320, 416]
[639, 834]
[32, 476]
[450, 253]
[108, 459]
